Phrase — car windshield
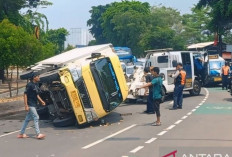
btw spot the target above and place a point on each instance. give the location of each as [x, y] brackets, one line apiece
[107, 83]
[215, 65]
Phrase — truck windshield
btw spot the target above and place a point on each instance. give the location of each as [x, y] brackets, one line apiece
[107, 83]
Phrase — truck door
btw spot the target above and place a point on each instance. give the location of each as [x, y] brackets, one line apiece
[187, 65]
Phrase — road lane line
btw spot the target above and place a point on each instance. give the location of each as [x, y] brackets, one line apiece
[189, 113]
[162, 133]
[171, 102]
[194, 110]
[13, 132]
[170, 127]
[184, 117]
[105, 138]
[151, 140]
[136, 149]
[202, 102]
[178, 122]
[197, 107]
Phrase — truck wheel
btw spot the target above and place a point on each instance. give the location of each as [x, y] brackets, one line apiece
[163, 94]
[67, 121]
[196, 88]
[50, 76]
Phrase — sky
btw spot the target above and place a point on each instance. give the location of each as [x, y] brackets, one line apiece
[75, 13]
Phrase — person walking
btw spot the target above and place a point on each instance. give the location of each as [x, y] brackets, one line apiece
[31, 96]
[225, 74]
[149, 78]
[157, 86]
[180, 80]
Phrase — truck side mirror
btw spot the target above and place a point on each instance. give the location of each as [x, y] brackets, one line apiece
[174, 63]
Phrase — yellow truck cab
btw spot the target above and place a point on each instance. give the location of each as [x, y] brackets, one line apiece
[81, 85]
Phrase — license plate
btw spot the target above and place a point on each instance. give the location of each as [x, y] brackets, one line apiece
[216, 79]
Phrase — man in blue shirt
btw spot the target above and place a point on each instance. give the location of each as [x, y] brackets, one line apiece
[157, 86]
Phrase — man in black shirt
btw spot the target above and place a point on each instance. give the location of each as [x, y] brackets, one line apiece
[149, 78]
[31, 96]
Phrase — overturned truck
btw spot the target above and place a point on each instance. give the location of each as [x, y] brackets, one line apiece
[81, 85]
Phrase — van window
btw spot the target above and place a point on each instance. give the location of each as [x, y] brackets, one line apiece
[162, 59]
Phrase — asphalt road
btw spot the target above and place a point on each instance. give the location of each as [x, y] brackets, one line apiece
[202, 126]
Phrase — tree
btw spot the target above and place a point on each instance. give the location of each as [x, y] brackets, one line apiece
[95, 22]
[163, 30]
[195, 26]
[221, 13]
[17, 47]
[124, 22]
[57, 37]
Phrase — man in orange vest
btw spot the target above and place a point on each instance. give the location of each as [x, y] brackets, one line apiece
[225, 74]
[180, 80]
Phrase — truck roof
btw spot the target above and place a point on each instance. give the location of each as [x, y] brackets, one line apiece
[74, 54]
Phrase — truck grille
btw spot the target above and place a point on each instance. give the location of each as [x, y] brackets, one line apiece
[83, 93]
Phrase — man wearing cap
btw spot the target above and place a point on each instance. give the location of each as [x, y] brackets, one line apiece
[180, 80]
[31, 97]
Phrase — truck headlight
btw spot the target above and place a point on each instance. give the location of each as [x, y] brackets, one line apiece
[89, 116]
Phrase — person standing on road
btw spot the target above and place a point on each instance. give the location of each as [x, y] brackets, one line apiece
[31, 96]
[149, 78]
[157, 86]
[180, 80]
[225, 74]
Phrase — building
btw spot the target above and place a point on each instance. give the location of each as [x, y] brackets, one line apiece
[78, 37]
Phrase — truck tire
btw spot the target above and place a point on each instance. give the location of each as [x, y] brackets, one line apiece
[26, 75]
[196, 88]
[67, 121]
[50, 76]
[163, 94]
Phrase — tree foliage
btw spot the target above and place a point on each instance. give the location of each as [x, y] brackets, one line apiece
[221, 13]
[57, 37]
[124, 22]
[95, 22]
[196, 26]
[17, 47]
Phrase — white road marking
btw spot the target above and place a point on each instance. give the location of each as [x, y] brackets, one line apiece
[171, 102]
[124, 156]
[184, 117]
[189, 113]
[202, 101]
[162, 133]
[197, 107]
[136, 149]
[170, 127]
[194, 110]
[151, 140]
[178, 122]
[105, 138]
[13, 132]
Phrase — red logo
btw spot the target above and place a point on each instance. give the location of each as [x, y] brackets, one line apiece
[172, 154]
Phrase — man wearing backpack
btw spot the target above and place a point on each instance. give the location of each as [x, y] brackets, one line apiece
[180, 80]
[157, 86]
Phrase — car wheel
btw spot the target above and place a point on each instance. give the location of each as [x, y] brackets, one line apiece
[196, 88]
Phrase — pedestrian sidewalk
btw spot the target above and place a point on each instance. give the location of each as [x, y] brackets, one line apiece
[11, 105]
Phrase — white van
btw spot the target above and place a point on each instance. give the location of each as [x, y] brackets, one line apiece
[166, 60]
